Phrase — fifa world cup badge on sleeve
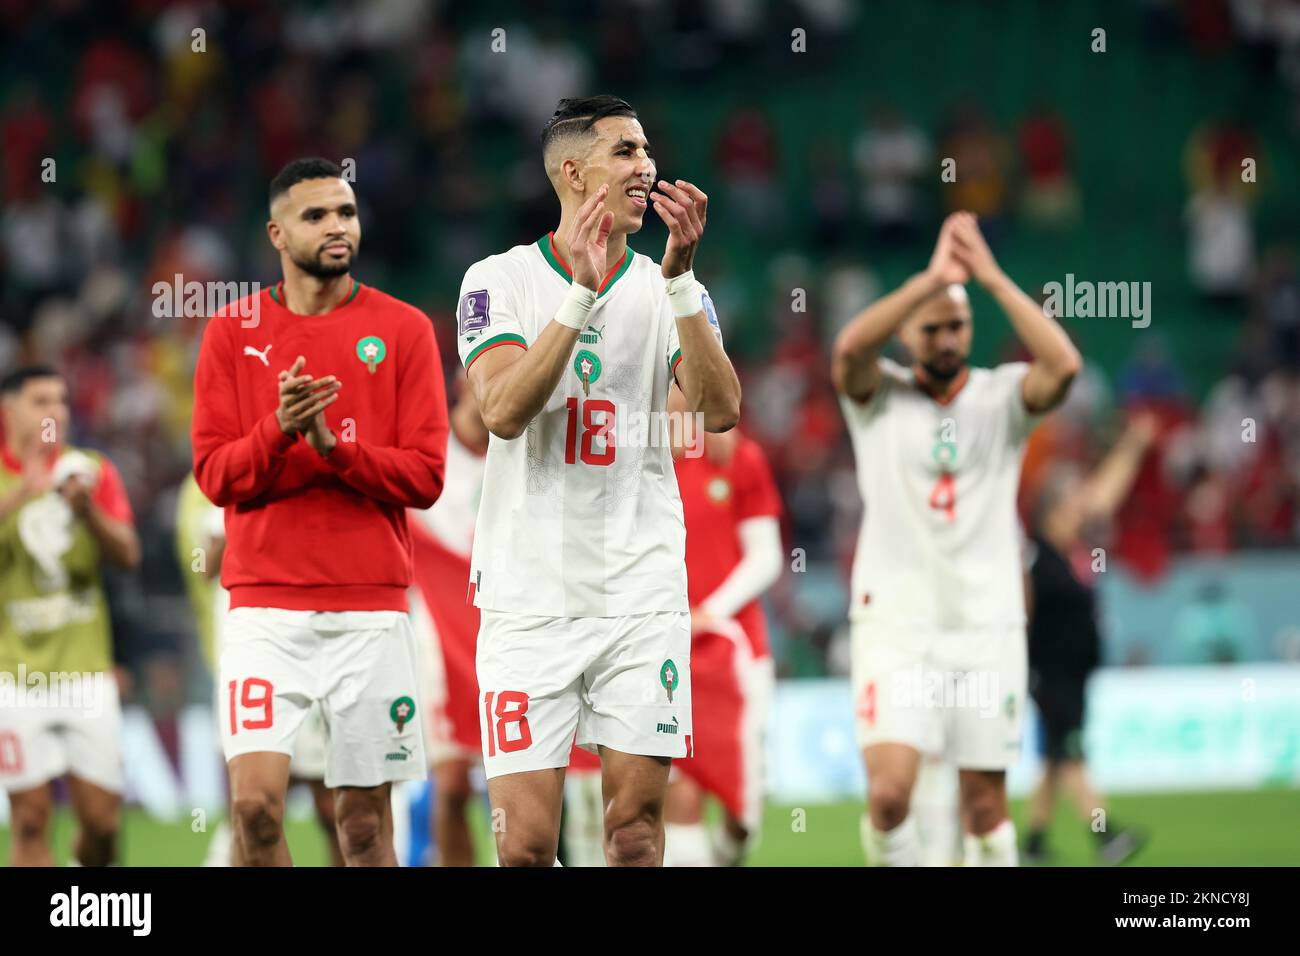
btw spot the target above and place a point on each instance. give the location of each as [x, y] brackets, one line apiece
[474, 311]
[711, 314]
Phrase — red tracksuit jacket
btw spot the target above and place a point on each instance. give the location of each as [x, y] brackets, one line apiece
[305, 532]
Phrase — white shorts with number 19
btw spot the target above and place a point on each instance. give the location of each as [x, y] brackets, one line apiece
[622, 682]
[359, 666]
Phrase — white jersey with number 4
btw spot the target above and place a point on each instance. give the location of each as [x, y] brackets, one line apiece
[940, 546]
[580, 515]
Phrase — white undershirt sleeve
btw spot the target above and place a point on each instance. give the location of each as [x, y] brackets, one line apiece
[759, 567]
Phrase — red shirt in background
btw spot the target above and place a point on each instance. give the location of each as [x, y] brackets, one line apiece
[716, 499]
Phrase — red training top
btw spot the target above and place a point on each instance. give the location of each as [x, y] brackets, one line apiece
[716, 499]
[305, 532]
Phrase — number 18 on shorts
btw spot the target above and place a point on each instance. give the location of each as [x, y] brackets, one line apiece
[622, 682]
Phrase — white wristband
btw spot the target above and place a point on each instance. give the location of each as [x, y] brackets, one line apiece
[685, 294]
[576, 307]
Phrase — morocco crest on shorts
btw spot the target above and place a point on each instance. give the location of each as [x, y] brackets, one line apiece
[401, 711]
[668, 677]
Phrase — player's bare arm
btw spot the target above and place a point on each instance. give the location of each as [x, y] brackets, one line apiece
[512, 385]
[1108, 486]
[855, 356]
[1056, 360]
[705, 374]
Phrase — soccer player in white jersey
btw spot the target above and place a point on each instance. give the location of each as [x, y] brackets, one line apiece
[938, 612]
[578, 568]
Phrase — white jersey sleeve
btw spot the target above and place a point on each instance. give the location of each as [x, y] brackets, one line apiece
[674, 343]
[892, 378]
[674, 350]
[488, 315]
[1008, 384]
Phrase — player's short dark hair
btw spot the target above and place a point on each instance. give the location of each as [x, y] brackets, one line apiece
[580, 114]
[311, 167]
[13, 383]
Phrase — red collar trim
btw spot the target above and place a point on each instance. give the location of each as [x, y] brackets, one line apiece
[550, 238]
[926, 386]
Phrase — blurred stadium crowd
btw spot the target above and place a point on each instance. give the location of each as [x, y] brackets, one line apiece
[162, 153]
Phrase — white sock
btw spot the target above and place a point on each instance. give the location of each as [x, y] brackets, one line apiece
[687, 844]
[584, 824]
[897, 847]
[221, 846]
[727, 850]
[938, 823]
[400, 804]
[553, 865]
[995, 848]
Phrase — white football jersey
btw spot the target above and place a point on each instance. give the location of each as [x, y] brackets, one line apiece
[940, 540]
[580, 515]
[451, 518]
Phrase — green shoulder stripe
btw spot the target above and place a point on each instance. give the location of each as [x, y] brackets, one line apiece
[505, 338]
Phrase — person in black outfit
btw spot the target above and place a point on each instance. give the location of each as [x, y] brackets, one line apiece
[1064, 641]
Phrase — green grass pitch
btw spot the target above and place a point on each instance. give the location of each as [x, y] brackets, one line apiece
[1235, 828]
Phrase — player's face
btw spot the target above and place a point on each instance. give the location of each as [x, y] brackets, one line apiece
[316, 223]
[620, 158]
[30, 413]
[939, 335]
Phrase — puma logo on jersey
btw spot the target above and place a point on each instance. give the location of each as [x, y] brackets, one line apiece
[249, 350]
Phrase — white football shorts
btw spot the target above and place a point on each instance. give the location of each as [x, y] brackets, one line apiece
[622, 682]
[73, 726]
[358, 665]
[955, 695]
